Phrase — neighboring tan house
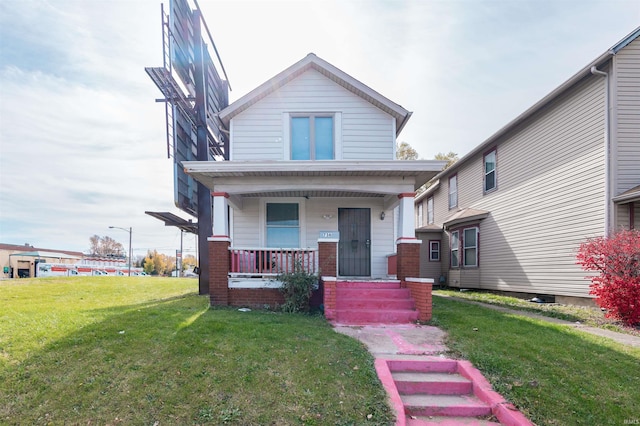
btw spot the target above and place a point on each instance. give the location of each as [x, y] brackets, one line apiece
[511, 214]
[312, 167]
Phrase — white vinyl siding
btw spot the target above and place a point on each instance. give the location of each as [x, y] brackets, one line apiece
[362, 131]
[626, 119]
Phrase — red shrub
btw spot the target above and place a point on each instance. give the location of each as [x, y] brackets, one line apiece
[617, 287]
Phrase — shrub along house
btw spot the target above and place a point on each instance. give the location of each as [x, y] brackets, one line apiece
[510, 215]
[312, 178]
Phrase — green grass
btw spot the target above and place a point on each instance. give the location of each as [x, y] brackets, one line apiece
[591, 316]
[109, 350]
[554, 374]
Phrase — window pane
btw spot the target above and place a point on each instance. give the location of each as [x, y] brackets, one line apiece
[454, 258]
[282, 214]
[490, 162]
[470, 237]
[300, 143]
[490, 181]
[453, 191]
[470, 257]
[283, 237]
[323, 138]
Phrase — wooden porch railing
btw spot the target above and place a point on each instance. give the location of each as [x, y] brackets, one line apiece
[269, 261]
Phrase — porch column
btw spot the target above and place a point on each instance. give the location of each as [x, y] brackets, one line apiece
[406, 222]
[328, 271]
[408, 259]
[220, 214]
[219, 270]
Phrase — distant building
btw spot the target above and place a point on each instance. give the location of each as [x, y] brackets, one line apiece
[21, 261]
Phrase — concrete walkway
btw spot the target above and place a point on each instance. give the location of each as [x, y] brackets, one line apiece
[625, 339]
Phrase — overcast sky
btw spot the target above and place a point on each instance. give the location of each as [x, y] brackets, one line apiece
[82, 143]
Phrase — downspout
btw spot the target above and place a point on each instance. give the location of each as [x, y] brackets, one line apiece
[607, 147]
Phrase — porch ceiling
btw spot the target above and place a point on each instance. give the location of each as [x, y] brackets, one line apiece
[332, 178]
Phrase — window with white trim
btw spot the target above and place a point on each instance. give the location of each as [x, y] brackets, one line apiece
[312, 137]
[420, 220]
[430, 218]
[453, 191]
[490, 181]
[455, 245]
[283, 225]
[434, 251]
[470, 247]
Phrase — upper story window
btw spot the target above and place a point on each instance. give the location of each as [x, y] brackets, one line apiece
[312, 137]
[430, 218]
[420, 213]
[490, 181]
[453, 191]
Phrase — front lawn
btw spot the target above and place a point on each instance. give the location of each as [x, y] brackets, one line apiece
[142, 350]
[554, 374]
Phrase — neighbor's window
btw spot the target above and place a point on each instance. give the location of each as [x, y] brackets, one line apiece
[430, 219]
[434, 251]
[420, 215]
[455, 243]
[490, 171]
[283, 225]
[312, 137]
[453, 191]
[470, 245]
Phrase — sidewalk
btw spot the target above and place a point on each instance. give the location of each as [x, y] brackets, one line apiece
[625, 339]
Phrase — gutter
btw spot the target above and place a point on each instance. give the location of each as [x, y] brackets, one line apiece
[607, 148]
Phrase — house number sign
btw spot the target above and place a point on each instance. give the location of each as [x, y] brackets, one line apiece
[330, 235]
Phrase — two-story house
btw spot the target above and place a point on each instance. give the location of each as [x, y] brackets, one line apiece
[510, 215]
[312, 166]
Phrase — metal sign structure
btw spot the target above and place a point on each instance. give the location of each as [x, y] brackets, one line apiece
[194, 93]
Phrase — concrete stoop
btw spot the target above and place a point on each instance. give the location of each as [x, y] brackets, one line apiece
[445, 392]
[373, 302]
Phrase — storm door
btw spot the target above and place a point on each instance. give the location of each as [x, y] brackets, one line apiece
[354, 249]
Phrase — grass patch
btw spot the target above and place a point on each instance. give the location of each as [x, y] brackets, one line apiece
[554, 374]
[141, 350]
[591, 316]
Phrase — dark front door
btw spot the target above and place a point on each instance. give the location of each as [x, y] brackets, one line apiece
[354, 249]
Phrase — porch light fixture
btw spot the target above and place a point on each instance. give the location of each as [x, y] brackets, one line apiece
[382, 215]
[327, 216]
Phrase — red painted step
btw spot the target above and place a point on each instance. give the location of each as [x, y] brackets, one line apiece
[445, 392]
[373, 302]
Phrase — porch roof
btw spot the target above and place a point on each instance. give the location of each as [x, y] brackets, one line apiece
[630, 196]
[465, 216]
[316, 178]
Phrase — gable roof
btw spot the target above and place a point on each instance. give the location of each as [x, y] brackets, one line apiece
[556, 93]
[311, 61]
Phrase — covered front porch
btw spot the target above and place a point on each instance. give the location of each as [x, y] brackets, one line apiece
[333, 218]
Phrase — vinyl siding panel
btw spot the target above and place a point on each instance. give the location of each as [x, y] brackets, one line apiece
[627, 117]
[549, 198]
[367, 133]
